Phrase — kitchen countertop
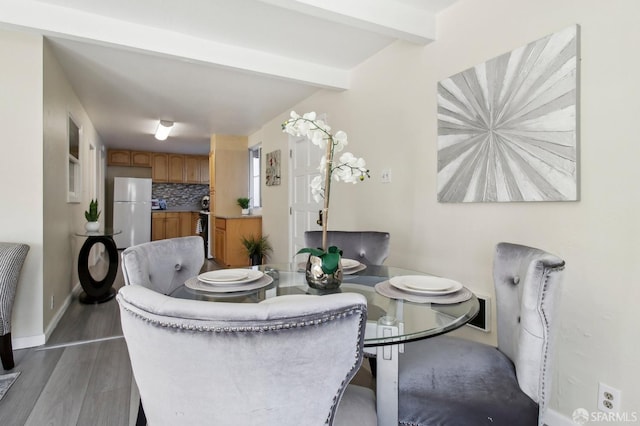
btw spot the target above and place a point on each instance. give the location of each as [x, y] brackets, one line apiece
[245, 216]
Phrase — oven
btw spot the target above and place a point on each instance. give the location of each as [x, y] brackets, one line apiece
[206, 232]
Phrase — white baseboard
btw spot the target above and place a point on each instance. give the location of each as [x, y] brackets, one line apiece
[27, 342]
[553, 418]
[58, 316]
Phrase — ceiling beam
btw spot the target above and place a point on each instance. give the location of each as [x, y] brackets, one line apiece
[51, 20]
[384, 17]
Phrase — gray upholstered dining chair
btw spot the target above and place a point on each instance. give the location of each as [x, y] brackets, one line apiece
[163, 265]
[451, 381]
[286, 362]
[367, 247]
[12, 256]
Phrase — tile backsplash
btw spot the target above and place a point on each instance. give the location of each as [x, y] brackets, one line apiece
[178, 194]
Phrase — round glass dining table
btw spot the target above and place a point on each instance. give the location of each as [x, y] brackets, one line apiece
[415, 321]
[391, 322]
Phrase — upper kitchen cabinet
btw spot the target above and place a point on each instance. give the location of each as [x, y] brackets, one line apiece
[165, 168]
[160, 167]
[118, 157]
[141, 158]
[176, 168]
[121, 157]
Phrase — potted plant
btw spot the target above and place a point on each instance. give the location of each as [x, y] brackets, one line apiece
[92, 216]
[323, 270]
[243, 202]
[257, 248]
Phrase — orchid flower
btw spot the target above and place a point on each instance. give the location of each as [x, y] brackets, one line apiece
[349, 168]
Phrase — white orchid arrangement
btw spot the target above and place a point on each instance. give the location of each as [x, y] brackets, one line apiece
[348, 168]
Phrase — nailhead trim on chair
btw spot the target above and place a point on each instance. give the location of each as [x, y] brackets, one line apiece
[543, 376]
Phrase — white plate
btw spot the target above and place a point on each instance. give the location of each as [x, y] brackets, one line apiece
[251, 275]
[195, 284]
[224, 275]
[425, 284]
[349, 263]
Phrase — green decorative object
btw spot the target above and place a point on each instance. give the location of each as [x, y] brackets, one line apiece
[92, 215]
[258, 248]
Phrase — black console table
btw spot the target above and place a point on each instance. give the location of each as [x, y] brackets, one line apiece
[97, 291]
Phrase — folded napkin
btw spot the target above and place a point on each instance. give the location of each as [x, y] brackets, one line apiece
[386, 289]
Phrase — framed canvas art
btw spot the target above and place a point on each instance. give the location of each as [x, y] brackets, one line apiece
[272, 171]
[507, 128]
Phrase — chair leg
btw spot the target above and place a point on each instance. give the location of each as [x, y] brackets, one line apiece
[374, 366]
[6, 352]
[142, 419]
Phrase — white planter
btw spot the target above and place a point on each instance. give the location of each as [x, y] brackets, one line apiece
[245, 211]
[92, 226]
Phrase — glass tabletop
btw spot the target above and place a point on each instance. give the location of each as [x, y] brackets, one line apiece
[108, 232]
[415, 321]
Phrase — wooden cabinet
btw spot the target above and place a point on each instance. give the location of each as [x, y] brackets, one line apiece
[229, 250]
[118, 157]
[160, 167]
[173, 224]
[203, 164]
[122, 157]
[188, 224]
[165, 225]
[176, 168]
[141, 158]
[165, 168]
[191, 169]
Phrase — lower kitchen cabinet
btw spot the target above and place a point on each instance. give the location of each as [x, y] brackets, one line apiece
[172, 225]
[229, 231]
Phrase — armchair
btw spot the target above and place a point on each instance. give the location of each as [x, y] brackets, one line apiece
[12, 256]
[367, 247]
[451, 381]
[287, 362]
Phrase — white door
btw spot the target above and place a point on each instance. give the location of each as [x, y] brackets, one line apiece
[305, 159]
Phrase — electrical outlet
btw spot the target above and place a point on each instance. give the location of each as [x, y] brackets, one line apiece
[385, 176]
[608, 398]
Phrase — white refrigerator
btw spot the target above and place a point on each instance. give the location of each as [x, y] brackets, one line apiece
[131, 211]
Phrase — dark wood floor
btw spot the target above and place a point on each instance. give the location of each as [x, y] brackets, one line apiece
[82, 375]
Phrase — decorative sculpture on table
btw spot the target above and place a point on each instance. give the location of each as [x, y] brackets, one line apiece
[323, 270]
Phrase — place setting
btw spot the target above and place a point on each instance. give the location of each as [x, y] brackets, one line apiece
[229, 281]
[424, 289]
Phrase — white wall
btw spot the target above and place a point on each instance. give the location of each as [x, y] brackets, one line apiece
[390, 117]
[62, 219]
[21, 159]
[36, 100]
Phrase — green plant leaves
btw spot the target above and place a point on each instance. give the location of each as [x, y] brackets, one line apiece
[330, 258]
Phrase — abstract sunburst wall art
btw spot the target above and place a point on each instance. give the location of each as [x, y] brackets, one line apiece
[507, 127]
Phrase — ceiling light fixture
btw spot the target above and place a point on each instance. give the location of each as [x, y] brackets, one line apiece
[164, 128]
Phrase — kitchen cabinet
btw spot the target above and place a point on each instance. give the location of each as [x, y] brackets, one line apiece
[173, 224]
[203, 164]
[191, 169]
[176, 168]
[160, 167]
[118, 157]
[123, 157]
[188, 224]
[165, 225]
[141, 159]
[229, 231]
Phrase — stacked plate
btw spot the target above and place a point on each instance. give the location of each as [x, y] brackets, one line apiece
[229, 280]
[351, 266]
[424, 288]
